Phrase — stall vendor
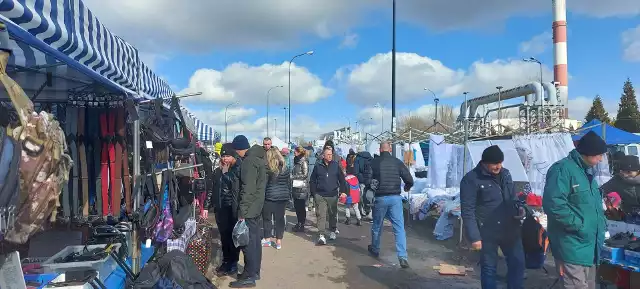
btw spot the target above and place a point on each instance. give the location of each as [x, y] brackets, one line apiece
[626, 183]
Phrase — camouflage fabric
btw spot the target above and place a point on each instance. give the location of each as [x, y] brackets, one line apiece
[44, 166]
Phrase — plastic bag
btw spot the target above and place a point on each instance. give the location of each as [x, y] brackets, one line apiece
[240, 234]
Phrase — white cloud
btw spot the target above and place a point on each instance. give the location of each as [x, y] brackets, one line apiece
[537, 44]
[350, 41]
[250, 84]
[369, 82]
[201, 25]
[243, 120]
[631, 44]
[579, 106]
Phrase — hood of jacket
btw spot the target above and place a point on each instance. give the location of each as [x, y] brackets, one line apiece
[255, 151]
[365, 155]
[299, 159]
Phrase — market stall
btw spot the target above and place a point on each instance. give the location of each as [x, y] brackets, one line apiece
[91, 81]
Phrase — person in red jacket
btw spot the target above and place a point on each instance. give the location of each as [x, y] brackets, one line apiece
[351, 198]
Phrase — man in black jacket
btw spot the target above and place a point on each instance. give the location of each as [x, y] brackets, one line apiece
[253, 182]
[491, 218]
[389, 171]
[326, 182]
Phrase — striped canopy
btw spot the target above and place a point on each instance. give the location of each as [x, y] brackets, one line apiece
[65, 38]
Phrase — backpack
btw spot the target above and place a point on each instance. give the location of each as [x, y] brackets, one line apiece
[43, 167]
[535, 242]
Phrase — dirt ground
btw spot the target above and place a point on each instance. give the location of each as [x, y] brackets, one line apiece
[345, 263]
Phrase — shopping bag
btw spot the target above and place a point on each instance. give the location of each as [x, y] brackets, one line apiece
[200, 247]
[240, 234]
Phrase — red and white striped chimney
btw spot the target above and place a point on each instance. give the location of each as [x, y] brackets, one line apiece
[560, 72]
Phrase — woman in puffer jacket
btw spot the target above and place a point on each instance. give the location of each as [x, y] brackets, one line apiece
[277, 196]
[300, 186]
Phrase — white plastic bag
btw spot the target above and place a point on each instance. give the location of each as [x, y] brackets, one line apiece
[241, 234]
[299, 184]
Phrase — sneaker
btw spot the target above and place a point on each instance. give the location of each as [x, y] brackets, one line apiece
[347, 222]
[404, 263]
[306, 209]
[332, 236]
[298, 228]
[322, 240]
[266, 243]
[278, 246]
[336, 231]
[359, 222]
[373, 252]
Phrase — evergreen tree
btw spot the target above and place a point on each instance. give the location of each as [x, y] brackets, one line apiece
[628, 117]
[597, 111]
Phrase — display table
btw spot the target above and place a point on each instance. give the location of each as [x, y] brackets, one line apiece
[118, 278]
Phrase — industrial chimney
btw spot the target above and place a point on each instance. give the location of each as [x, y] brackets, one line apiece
[560, 72]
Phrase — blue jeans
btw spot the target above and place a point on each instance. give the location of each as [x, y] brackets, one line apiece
[389, 207]
[514, 255]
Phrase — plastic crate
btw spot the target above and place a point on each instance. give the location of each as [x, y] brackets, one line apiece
[632, 257]
[104, 267]
[614, 255]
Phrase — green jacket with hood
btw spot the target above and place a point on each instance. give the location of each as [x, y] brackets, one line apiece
[253, 181]
[575, 218]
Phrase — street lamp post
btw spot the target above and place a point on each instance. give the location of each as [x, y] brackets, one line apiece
[225, 119]
[269, 92]
[499, 88]
[378, 105]
[534, 60]
[436, 100]
[275, 127]
[291, 61]
[285, 121]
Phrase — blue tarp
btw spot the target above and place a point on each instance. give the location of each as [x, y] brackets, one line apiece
[613, 136]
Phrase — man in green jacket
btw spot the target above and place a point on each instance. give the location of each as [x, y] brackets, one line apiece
[576, 222]
[253, 182]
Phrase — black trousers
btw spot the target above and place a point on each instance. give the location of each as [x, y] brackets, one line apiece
[253, 252]
[301, 213]
[226, 221]
[273, 212]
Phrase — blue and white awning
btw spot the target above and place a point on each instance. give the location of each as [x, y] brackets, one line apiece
[68, 30]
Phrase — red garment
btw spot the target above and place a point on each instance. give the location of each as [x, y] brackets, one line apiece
[343, 164]
[354, 189]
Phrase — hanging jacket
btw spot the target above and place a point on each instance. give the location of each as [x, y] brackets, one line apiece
[628, 189]
[278, 186]
[301, 173]
[575, 217]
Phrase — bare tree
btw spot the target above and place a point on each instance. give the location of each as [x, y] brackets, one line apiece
[427, 122]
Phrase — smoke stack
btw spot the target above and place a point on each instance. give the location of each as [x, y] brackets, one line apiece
[560, 72]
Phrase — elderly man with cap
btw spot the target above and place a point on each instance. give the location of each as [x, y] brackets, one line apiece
[491, 216]
[575, 216]
[253, 182]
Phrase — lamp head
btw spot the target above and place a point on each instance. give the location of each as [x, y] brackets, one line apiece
[310, 52]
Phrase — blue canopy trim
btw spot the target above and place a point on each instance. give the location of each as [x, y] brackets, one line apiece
[612, 135]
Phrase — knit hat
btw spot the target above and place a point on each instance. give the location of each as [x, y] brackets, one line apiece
[240, 142]
[629, 163]
[228, 150]
[284, 151]
[591, 144]
[492, 155]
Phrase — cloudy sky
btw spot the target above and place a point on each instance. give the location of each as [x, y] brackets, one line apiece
[235, 51]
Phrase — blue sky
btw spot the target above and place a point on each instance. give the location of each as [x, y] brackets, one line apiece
[235, 52]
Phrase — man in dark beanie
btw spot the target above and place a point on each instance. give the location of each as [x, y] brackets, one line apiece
[491, 217]
[253, 182]
[575, 217]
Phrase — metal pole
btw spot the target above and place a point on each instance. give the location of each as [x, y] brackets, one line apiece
[225, 125]
[435, 120]
[464, 156]
[542, 98]
[291, 61]
[285, 123]
[382, 119]
[393, 77]
[135, 258]
[275, 127]
[499, 106]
